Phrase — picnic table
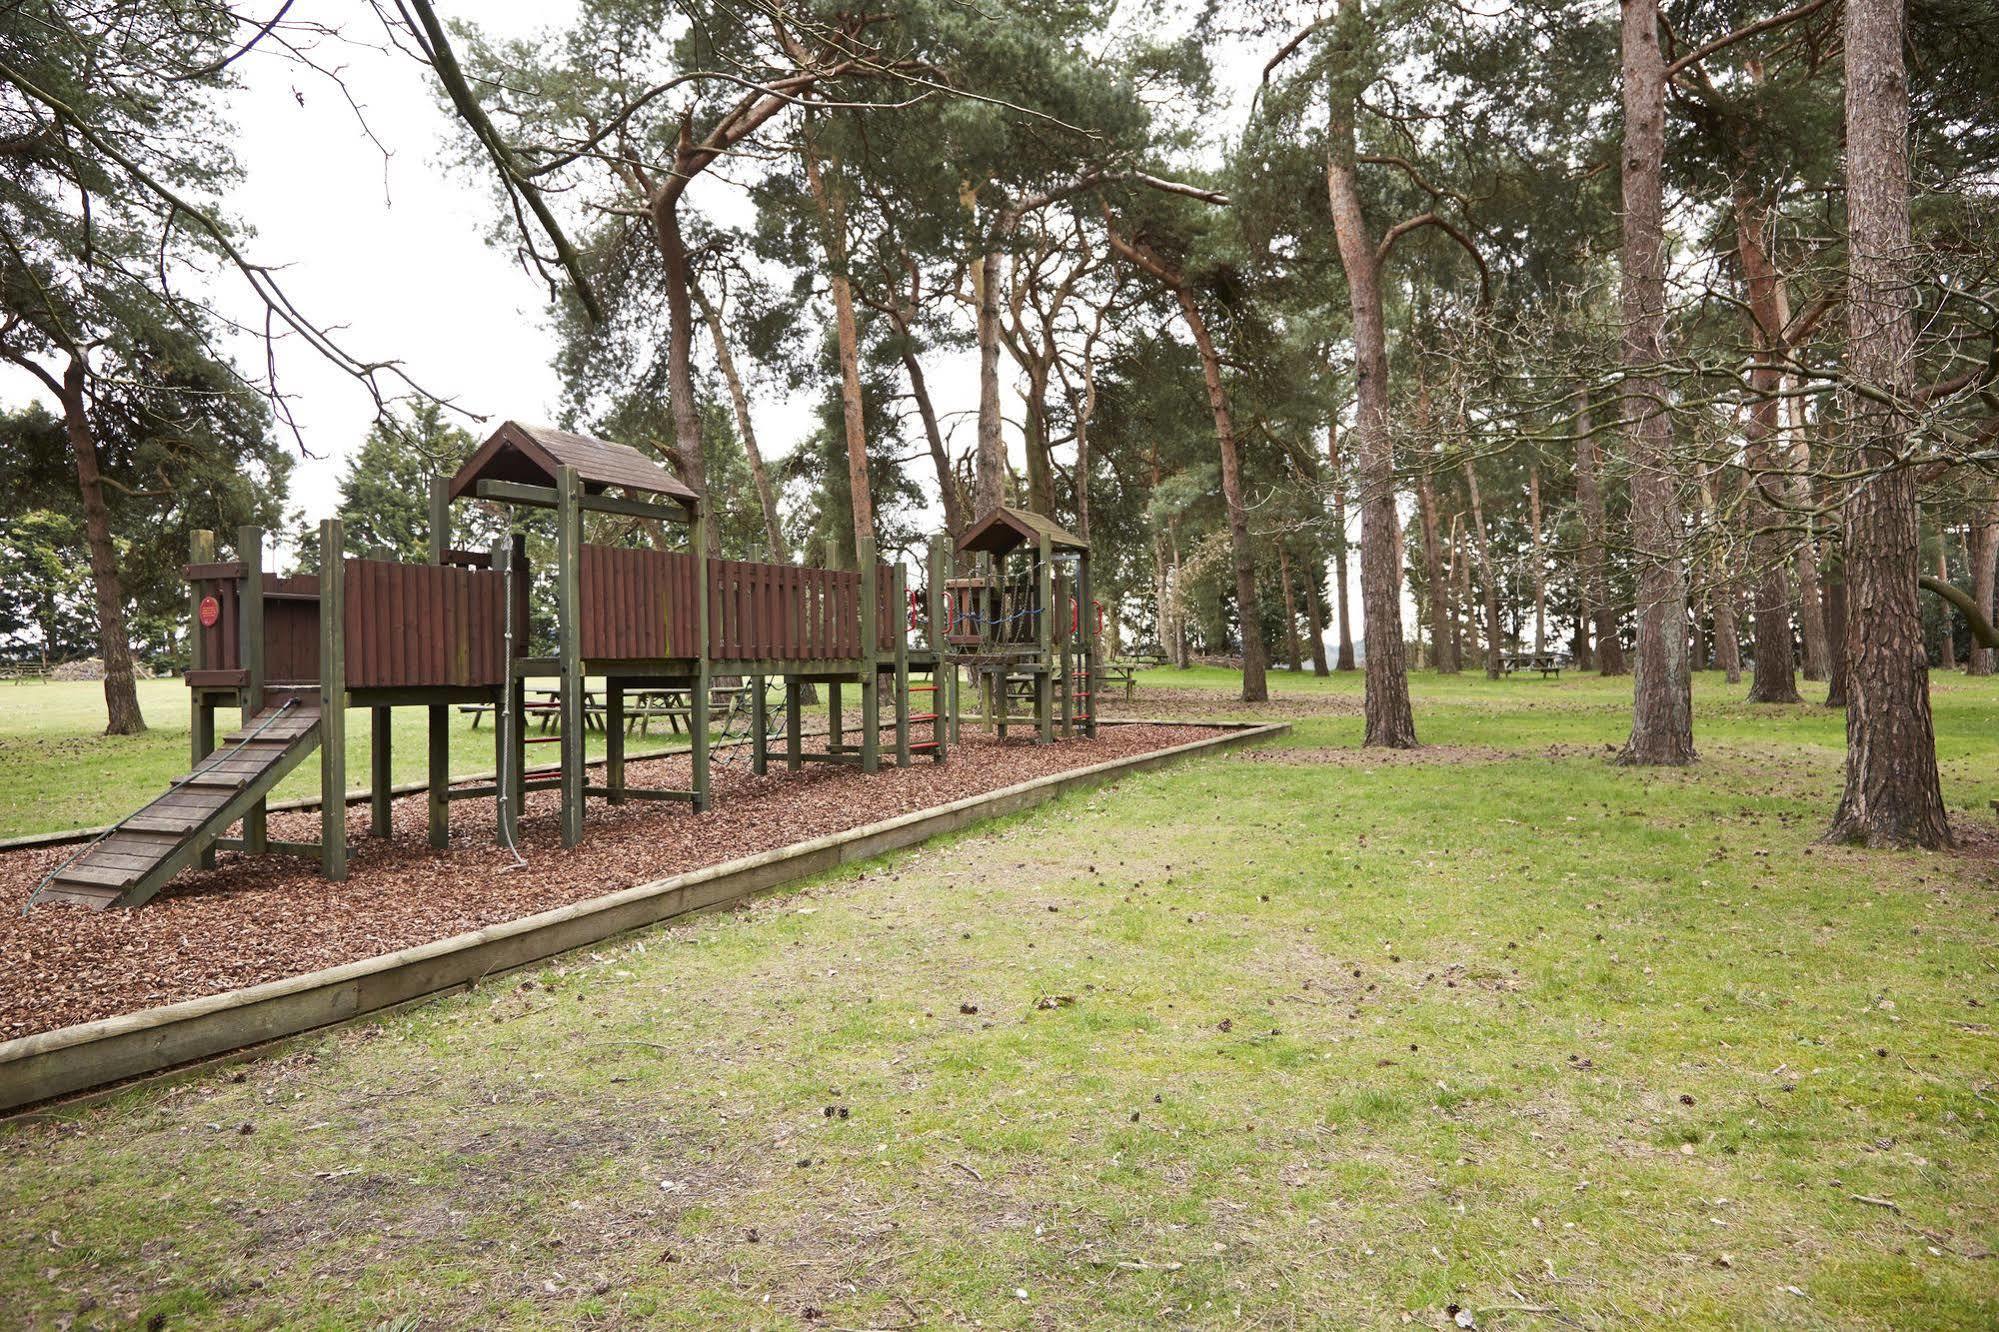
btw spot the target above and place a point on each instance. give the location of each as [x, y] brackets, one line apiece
[1121, 674]
[1548, 663]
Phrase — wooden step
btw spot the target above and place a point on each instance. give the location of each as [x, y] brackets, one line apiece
[164, 822]
[95, 876]
[94, 896]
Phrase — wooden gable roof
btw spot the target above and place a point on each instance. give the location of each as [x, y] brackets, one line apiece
[532, 455]
[1004, 529]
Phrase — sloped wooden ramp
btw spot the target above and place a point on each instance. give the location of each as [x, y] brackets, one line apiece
[141, 852]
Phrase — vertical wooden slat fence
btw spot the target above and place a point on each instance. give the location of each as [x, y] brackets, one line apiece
[413, 625]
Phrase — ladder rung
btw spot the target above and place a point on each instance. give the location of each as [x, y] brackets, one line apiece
[922, 716]
[915, 745]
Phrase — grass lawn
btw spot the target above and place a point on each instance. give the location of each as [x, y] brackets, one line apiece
[59, 772]
[1297, 1037]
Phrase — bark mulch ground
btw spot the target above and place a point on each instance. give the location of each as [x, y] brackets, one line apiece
[251, 920]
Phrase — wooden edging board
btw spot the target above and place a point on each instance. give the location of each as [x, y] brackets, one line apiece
[53, 1064]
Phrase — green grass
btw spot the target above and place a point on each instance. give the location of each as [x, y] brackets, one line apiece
[60, 772]
[1299, 1038]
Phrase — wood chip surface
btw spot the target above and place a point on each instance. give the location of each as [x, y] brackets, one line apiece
[257, 919]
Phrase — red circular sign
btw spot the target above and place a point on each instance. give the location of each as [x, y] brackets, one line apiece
[211, 611]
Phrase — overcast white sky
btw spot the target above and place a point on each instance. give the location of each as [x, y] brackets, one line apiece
[393, 250]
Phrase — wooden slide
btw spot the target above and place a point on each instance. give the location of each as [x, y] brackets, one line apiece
[136, 856]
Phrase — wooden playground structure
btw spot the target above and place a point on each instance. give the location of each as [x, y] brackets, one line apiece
[293, 653]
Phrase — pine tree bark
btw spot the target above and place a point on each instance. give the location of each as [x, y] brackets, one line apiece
[989, 472]
[1947, 640]
[689, 459]
[833, 221]
[759, 473]
[1390, 721]
[1776, 678]
[1494, 636]
[1984, 566]
[1811, 599]
[1315, 614]
[1443, 648]
[1534, 553]
[1255, 685]
[1292, 657]
[1345, 659]
[1662, 722]
[1893, 794]
[1596, 541]
[114, 645]
[1835, 627]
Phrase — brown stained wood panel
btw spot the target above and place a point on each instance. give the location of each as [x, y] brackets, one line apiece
[423, 625]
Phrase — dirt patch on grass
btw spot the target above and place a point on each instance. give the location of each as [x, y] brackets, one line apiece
[1167, 701]
[1381, 758]
[251, 920]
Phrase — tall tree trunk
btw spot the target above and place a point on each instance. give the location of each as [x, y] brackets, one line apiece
[1534, 552]
[121, 692]
[1596, 541]
[1344, 661]
[759, 474]
[1390, 721]
[989, 475]
[1835, 627]
[1727, 632]
[1495, 637]
[1181, 659]
[1697, 642]
[1811, 600]
[1662, 712]
[1443, 648]
[1315, 614]
[1776, 678]
[1984, 565]
[1893, 794]
[1040, 467]
[1291, 652]
[1947, 640]
[955, 520]
[689, 460]
[1255, 689]
[1458, 573]
[833, 219]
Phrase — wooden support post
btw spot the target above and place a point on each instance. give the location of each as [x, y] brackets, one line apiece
[871, 715]
[380, 720]
[940, 644]
[1044, 624]
[697, 713]
[201, 712]
[437, 728]
[507, 749]
[569, 647]
[250, 651]
[835, 732]
[1065, 692]
[759, 727]
[900, 598]
[1086, 610]
[614, 741]
[332, 702]
[792, 748]
[437, 719]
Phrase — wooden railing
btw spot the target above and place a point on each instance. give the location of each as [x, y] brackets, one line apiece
[423, 625]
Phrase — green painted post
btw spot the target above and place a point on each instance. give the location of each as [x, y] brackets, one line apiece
[1065, 692]
[437, 718]
[899, 597]
[835, 733]
[870, 658]
[792, 748]
[759, 727]
[250, 626]
[1044, 625]
[614, 740]
[201, 712]
[569, 646]
[698, 709]
[506, 718]
[517, 734]
[332, 701]
[380, 777]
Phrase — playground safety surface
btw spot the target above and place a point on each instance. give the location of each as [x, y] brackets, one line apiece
[251, 920]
